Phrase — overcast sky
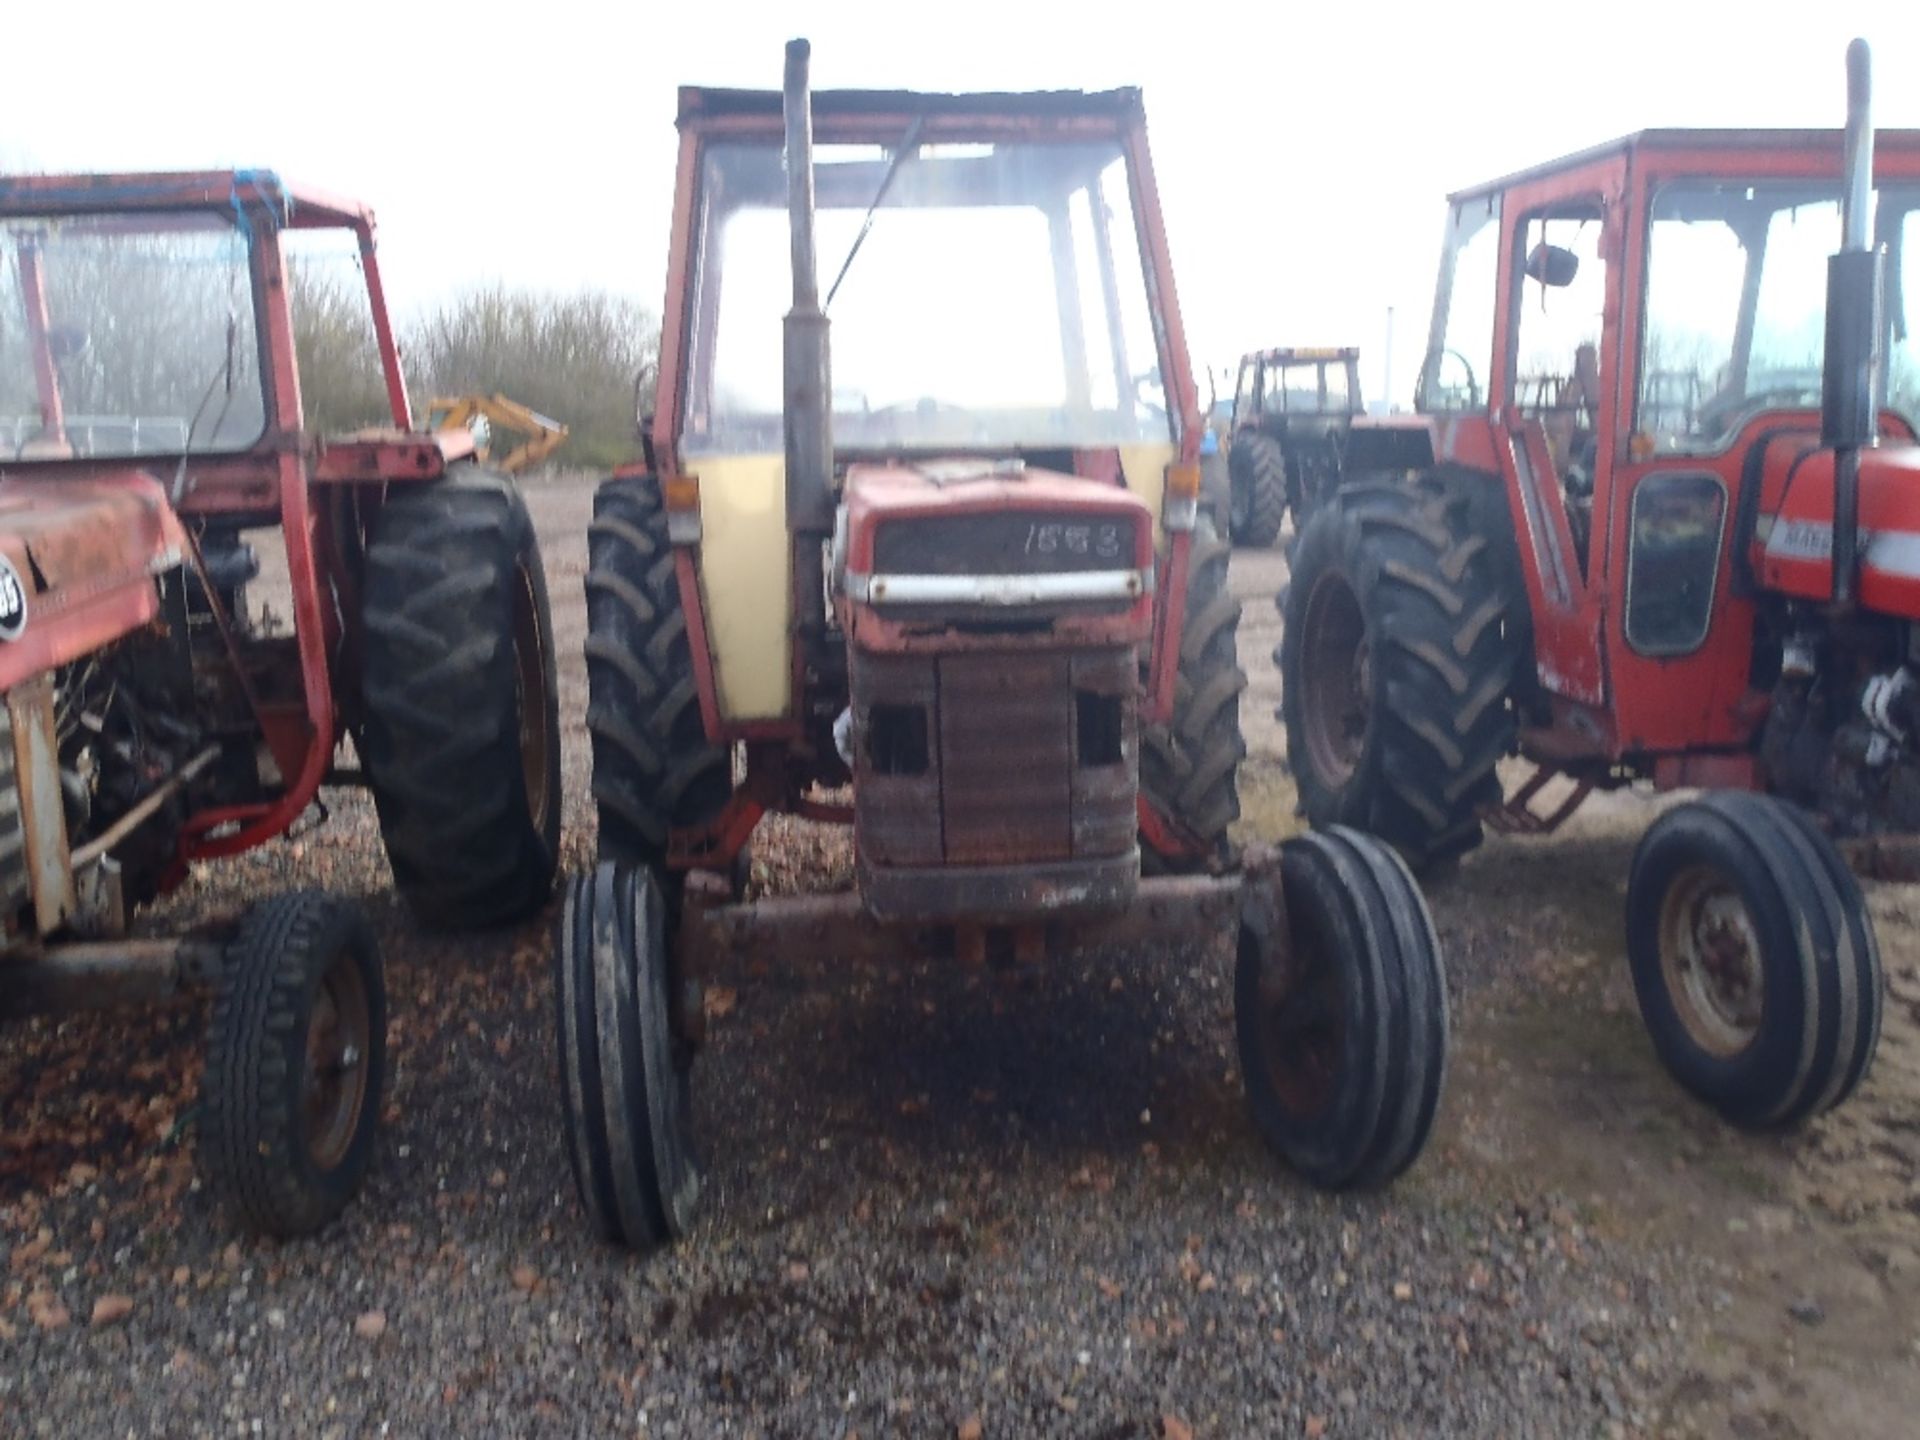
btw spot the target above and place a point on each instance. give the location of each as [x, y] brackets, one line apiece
[1302, 152]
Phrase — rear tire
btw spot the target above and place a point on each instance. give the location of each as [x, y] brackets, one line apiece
[1342, 1023]
[296, 1056]
[1259, 490]
[654, 769]
[1754, 959]
[462, 735]
[1396, 662]
[623, 1080]
[1190, 769]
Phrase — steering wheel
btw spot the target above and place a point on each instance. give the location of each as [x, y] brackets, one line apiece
[1473, 382]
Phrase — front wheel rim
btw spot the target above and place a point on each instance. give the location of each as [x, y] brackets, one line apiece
[339, 1044]
[1711, 961]
[1301, 1019]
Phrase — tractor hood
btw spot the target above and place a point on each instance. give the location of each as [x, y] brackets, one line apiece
[80, 558]
[1792, 550]
[985, 541]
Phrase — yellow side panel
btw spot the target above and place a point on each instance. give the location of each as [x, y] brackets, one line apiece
[744, 570]
[1145, 469]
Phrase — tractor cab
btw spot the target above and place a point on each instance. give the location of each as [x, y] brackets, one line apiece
[1633, 339]
[935, 562]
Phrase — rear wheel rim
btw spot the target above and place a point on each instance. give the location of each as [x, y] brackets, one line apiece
[334, 1087]
[1337, 679]
[1710, 961]
[530, 683]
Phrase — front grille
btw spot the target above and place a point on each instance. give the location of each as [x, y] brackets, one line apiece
[1006, 753]
[995, 757]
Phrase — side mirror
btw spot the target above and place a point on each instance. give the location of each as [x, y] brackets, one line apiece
[1552, 265]
[67, 342]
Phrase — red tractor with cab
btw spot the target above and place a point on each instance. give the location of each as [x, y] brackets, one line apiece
[1658, 519]
[951, 591]
[159, 711]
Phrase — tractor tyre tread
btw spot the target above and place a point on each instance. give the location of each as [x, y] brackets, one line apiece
[442, 694]
[653, 767]
[1439, 605]
[252, 1150]
[1189, 768]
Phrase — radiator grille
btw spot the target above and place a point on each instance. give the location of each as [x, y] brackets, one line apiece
[1006, 756]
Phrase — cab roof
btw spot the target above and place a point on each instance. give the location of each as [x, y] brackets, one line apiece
[696, 101]
[1824, 143]
[254, 191]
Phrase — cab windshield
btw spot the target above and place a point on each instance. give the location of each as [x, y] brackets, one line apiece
[997, 300]
[1737, 300]
[126, 335]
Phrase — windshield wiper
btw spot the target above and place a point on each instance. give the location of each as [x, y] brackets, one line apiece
[886, 183]
[224, 375]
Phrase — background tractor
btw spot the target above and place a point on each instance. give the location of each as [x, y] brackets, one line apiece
[1292, 411]
[1643, 532]
[154, 715]
[960, 572]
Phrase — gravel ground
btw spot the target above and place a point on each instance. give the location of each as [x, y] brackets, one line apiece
[942, 1203]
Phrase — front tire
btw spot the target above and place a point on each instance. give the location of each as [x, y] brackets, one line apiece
[1396, 661]
[1342, 1021]
[462, 733]
[1754, 959]
[1189, 770]
[296, 1056]
[623, 1080]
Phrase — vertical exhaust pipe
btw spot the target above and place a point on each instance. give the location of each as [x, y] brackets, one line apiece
[808, 412]
[1855, 369]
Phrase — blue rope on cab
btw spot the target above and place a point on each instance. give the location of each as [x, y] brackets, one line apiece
[265, 183]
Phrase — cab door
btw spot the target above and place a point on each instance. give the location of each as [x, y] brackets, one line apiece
[1555, 414]
[1679, 636]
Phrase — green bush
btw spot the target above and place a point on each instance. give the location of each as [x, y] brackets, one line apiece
[581, 357]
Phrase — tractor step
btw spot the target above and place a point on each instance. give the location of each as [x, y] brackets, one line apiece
[1517, 815]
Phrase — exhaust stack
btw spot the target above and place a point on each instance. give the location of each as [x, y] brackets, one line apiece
[1855, 371]
[808, 414]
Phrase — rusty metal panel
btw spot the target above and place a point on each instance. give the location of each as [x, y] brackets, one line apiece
[896, 816]
[1006, 756]
[42, 809]
[1006, 894]
[1106, 766]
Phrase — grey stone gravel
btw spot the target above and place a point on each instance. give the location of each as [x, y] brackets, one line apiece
[931, 1195]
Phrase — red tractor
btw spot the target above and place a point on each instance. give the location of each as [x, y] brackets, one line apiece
[963, 576]
[1659, 520]
[150, 423]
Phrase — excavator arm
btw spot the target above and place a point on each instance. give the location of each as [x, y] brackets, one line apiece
[493, 419]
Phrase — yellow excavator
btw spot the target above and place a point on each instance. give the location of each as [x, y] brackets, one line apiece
[495, 420]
